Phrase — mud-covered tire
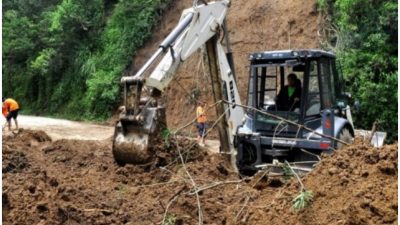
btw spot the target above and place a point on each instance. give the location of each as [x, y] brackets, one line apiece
[346, 136]
[248, 158]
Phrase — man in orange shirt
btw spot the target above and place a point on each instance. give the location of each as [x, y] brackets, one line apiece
[10, 111]
[201, 122]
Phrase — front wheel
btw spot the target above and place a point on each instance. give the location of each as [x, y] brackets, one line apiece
[246, 159]
[344, 136]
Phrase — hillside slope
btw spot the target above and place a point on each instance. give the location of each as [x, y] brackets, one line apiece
[254, 25]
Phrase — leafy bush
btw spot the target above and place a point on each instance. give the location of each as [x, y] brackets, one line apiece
[66, 57]
[367, 30]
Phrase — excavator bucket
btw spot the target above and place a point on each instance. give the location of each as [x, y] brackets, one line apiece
[134, 136]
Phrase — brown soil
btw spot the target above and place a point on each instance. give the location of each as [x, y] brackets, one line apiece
[254, 25]
[78, 182]
[357, 185]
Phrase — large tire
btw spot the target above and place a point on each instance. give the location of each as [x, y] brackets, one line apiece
[248, 158]
[345, 136]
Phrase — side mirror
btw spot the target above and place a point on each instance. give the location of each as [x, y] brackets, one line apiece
[357, 105]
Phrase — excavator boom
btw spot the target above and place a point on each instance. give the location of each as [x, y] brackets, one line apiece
[143, 116]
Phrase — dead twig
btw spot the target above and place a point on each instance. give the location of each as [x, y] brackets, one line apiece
[171, 200]
[246, 201]
[156, 184]
[216, 184]
[193, 184]
[296, 175]
[262, 176]
[98, 210]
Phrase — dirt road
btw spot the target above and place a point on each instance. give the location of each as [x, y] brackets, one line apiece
[66, 129]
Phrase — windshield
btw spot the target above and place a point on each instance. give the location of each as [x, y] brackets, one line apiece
[276, 88]
[291, 116]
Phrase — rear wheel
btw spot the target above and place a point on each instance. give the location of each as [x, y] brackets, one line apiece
[344, 136]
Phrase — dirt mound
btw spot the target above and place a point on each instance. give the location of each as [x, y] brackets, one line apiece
[357, 185]
[14, 145]
[27, 136]
[14, 162]
[78, 182]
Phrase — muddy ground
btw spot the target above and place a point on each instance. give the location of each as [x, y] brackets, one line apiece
[78, 182]
[65, 129]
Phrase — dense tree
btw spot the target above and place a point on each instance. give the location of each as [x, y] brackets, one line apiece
[366, 44]
[64, 57]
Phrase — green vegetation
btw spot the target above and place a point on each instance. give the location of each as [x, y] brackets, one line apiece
[65, 57]
[365, 39]
[170, 219]
[302, 200]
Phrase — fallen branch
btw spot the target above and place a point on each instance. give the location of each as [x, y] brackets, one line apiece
[156, 184]
[216, 184]
[246, 201]
[296, 175]
[98, 210]
[193, 184]
[172, 200]
[262, 176]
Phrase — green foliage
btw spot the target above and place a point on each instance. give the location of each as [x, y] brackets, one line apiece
[302, 200]
[19, 31]
[125, 32]
[166, 134]
[170, 219]
[321, 4]
[287, 171]
[368, 56]
[66, 57]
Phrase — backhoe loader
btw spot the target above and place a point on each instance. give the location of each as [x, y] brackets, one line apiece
[257, 134]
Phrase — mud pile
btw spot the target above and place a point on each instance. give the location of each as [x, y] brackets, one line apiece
[78, 182]
[357, 185]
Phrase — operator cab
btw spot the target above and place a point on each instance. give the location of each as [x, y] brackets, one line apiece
[316, 78]
[317, 87]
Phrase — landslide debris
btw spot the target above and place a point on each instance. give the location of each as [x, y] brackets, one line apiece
[356, 185]
[78, 182]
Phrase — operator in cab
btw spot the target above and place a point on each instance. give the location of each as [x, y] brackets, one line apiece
[201, 123]
[10, 111]
[289, 96]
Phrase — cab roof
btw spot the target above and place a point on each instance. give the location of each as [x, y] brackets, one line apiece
[290, 54]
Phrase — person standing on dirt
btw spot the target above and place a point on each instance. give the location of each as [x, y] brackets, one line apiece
[201, 123]
[10, 111]
[289, 96]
